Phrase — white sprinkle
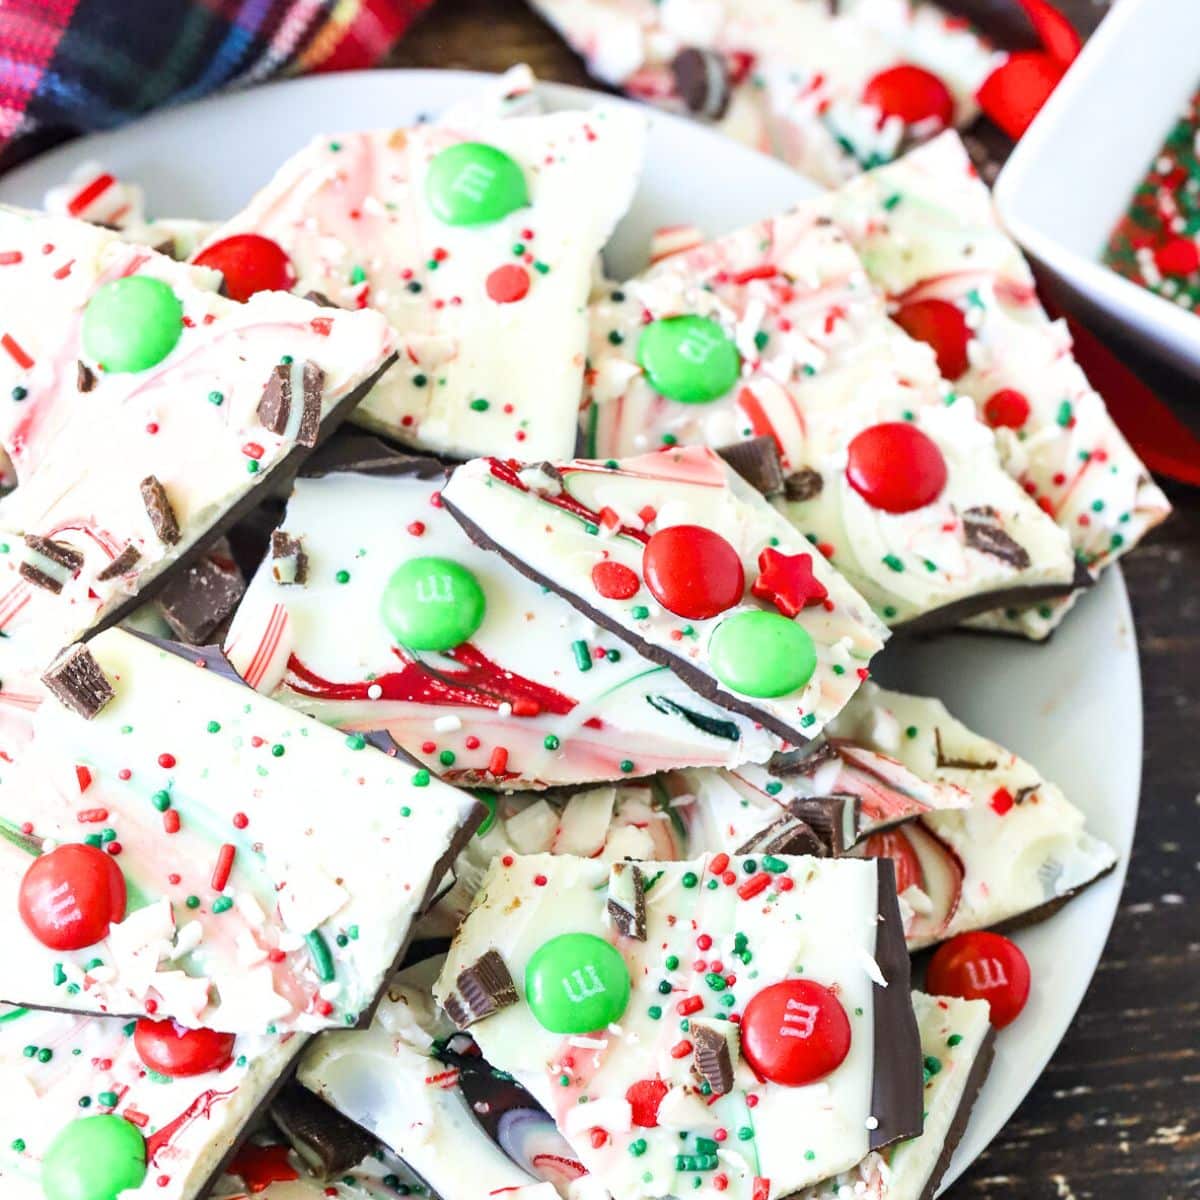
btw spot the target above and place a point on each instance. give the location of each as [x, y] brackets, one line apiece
[450, 724]
[872, 1122]
[374, 692]
[588, 1043]
[331, 990]
[505, 710]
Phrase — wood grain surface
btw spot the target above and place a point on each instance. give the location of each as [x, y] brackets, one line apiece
[1116, 1116]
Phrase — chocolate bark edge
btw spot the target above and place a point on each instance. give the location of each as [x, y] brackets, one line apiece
[701, 683]
[78, 682]
[948, 615]
[284, 470]
[366, 454]
[897, 1090]
[1042, 912]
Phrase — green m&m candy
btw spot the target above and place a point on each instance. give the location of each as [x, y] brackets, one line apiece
[473, 183]
[690, 359]
[575, 983]
[432, 604]
[762, 654]
[96, 1158]
[132, 324]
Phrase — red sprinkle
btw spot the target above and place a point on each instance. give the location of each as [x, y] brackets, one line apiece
[174, 880]
[171, 821]
[220, 875]
[704, 941]
[9, 257]
[681, 1049]
[166, 760]
[113, 848]
[240, 820]
[15, 351]
[276, 955]
[1001, 801]
[322, 326]
[718, 863]
[692, 1004]
[92, 816]
[498, 763]
[416, 528]
[472, 742]
[507, 860]
[754, 885]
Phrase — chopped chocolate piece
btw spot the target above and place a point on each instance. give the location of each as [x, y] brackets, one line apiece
[198, 600]
[75, 679]
[787, 834]
[757, 462]
[1023, 794]
[123, 563]
[627, 900]
[85, 377]
[363, 454]
[162, 515]
[319, 298]
[981, 527]
[805, 760]
[49, 564]
[714, 1052]
[803, 484]
[543, 477]
[833, 818]
[289, 563]
[702, 80]
[330, 1144]
[481, 989]
[959, 764]
[291, 401]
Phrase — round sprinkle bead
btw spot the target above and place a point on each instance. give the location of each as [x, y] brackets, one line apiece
[762, 654]
[614, 580]
[507, 284]
[1006, 409]
[473, 183]
[687, 358]
[432, 604]
[795, 1032]
[693, 572]
[576, 983]
[96, 1158]
[132, 324]
[895, 467]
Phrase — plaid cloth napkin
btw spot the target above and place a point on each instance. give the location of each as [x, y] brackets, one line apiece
[72, 66]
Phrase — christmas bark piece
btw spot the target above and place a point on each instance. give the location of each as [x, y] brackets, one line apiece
[198, 852]
[830, 87]
[804, 955]
[678, 555]
[476, 238]
[1014, 855]
[403, 624]
[957, 1045]
[775, 335]
[199, 600]
[93, 1106]
[928, 236]
[131, 396]
[467, 1130]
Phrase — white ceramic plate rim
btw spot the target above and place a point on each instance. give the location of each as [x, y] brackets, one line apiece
[1073, 705]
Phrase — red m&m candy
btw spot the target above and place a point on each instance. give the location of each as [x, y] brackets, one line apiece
[939, 324]
[795, 1032]
[250, 263]
[177, 1052]
[1006, 408]
[70, 896]
[693, 572]
[895, 467]
[614, 580]
[982, 966]
[910, 93]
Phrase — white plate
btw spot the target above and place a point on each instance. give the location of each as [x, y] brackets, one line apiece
[1073, 705]
[1073, 174]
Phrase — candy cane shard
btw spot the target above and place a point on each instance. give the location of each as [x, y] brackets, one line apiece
[775, 337]
[599, 1016]
[829, 88]
[202, 870]
[928, 237]
[428, 1096]
[619, 540]
[1014, 855]
[128, 468]
[189, 1095]
[475, 237]
[957, 1045]
[534, 696]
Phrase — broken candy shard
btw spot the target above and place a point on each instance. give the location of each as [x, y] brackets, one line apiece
[490, 315]
[273, 866]
[76, 680]
[900, 485]
[638, 1069]
[534, 697]
[329, 1143]
[132, 481]
[481, 989]
[189, 1110]
[714, 1053]
[633, 544]
[627, 900]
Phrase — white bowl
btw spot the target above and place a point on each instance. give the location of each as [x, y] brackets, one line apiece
[1074, 172]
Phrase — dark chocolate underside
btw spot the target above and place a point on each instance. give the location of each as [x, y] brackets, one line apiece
[696, 679]
[364, 454]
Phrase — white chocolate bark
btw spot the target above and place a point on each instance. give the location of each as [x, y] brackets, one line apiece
[641, 496]
[954, 1035]
[516, 686]
[83, 439]
[1019, 846]
[820, 364]
[925, 229]
[388, 1080]
[824, 928]
[56, 1068]
[795, 71]
[330, 848]
[476, 375]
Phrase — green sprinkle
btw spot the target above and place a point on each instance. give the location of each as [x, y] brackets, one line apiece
[911, 731]
[405, 811]
[551, 742]
[222, 904]
[45, 1055]
[161, 800]
[357, 275]
[1063, 416]
[616, 337]
[214, 727]
[626, 765]
[479, 405]
[654, 1012]
[745, 1134]
[583, 657]
[541, 268]
[318, 947]
[446, 758]
[689, 879]
[669, 439]
[342, 576]
[761, 338]
[192, 902]
[19, 393]
[217, 398]
[108, 1099]
[932, 1065]
[639, 612]
[420, 379]
[954, 1039]
[18, 1145]
[356, 741]
[894, 563]
[613, 655]
[890, 202]
[420, 778]
[278, 750]
[252, 466]
[637, 1147]
[776, 866]
[715, 981]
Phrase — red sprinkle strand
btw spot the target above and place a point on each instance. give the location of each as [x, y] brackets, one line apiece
[220, 875]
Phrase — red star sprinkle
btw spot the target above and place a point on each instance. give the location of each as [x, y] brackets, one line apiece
[260, 1166]
[786, 580]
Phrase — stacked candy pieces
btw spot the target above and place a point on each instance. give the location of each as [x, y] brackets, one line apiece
[141, 411]
[775, 332]
[830, 88]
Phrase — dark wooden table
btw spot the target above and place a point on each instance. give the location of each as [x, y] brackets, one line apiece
[1116, 1116]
